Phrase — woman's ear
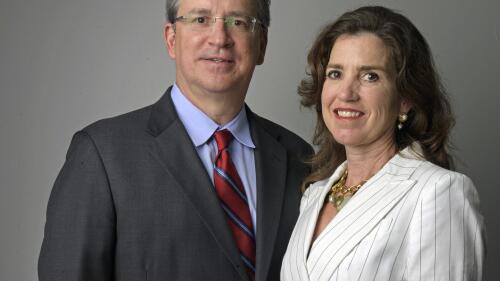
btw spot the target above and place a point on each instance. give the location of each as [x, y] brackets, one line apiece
[405, 106]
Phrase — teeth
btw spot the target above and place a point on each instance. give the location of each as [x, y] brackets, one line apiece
[348, 114]
[217, 60]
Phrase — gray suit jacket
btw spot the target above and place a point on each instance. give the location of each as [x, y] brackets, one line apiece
[134, 202]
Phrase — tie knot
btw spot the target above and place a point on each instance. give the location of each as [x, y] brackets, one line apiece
[223, 139]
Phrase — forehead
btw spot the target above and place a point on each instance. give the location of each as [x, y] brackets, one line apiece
[217, 7]
[361, 48]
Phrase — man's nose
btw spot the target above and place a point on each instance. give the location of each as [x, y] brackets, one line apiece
[220, 34]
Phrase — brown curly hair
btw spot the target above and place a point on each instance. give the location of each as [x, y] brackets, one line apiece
[430, 118]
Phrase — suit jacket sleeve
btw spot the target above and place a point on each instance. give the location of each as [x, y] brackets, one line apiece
[446, 233]
[79, 232]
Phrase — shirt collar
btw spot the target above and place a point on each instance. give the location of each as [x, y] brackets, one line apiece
[200, 127]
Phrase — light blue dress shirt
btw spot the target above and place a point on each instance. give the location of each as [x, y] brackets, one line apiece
[200, 129]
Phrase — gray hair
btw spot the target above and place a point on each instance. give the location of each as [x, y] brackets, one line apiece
[263, 13]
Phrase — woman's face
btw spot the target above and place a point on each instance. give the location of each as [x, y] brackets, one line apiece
[359, 100]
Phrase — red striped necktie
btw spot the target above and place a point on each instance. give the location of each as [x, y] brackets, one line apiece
[234, 202]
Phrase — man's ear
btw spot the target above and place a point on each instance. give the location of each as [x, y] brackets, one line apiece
[170, 39]
[262, 45]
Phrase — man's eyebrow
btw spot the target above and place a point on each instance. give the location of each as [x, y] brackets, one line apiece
[199, 11]
[206, 12]
[237, 13]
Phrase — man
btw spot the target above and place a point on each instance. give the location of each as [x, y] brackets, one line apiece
[193, 187]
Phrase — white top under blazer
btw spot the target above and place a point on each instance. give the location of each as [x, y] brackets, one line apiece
[412, 220]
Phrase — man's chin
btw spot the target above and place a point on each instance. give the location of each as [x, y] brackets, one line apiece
[224, 86]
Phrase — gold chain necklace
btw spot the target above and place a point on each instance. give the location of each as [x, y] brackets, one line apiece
[339, 193]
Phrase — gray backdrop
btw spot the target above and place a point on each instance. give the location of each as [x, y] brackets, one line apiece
[65, 64]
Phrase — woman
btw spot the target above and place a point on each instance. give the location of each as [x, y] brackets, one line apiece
[381, 203]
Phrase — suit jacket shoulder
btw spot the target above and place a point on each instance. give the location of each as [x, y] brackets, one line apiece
[287, 138]
[128, 125]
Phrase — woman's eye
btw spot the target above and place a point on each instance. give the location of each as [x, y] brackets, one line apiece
[370, 77]
[333, 74]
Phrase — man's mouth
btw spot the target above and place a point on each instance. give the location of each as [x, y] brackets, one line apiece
[219, 60]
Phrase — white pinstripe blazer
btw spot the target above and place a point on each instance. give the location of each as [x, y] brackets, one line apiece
[411, 221]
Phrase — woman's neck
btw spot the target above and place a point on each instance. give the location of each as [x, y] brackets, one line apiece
[364, 162]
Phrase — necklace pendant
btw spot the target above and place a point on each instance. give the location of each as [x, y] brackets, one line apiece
[331, 199]
[338, 201]
[345, 199]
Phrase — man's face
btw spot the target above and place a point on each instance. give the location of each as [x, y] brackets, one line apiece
[218, 60]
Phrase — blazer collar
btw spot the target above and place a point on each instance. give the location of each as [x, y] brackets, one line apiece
[363, 212]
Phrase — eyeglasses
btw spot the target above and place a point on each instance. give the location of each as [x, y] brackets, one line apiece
[239, 24]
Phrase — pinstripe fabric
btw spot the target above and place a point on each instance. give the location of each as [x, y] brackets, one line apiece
[411, 221]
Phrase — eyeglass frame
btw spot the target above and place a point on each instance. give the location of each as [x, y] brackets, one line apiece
[213, 19]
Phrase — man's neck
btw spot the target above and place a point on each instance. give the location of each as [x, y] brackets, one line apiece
[221, 107]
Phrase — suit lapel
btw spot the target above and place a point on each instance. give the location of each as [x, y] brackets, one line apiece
[173, 148]
[270, 162]
[360, 216]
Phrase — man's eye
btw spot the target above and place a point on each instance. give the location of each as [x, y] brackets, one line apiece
[239, 22]
[333, 74]
[370, 77]
[200, 20]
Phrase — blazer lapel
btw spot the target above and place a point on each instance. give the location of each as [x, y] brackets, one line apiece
[358, 218]
[317, 200]
[270, 162]
[173, 148]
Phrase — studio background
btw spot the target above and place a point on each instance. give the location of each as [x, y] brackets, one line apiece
[65, 64]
